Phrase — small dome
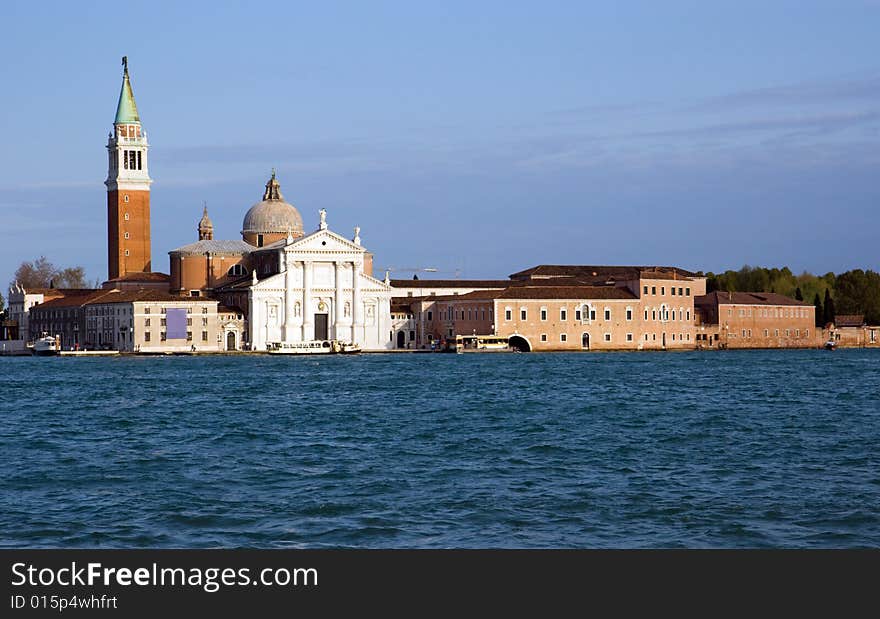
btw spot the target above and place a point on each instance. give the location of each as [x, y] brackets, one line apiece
[272, 215]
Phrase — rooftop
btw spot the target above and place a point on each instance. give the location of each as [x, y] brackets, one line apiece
[602, 271]
[152, 276]
[449, 283]
[200, 248]
[747, 298]
[129, 296]
[849, 320]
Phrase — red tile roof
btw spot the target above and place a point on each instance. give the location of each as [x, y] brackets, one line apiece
[142, 277]
[449, 283]
[145, 294]
[603, 271]
[849, 320]
[747, 298]
[79, 298]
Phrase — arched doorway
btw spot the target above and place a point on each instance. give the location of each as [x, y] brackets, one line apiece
[401, 339]
[518, 342]
[230, 340]
[585, 341]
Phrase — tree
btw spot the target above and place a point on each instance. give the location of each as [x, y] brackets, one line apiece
[798, 294]
[858, 292]
[41, 273]
[828, 315]
[820, 315]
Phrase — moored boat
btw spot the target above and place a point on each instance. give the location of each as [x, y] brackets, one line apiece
[313, 347]
[46, 345]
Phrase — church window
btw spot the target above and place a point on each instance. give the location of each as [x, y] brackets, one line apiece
[607, 337]
[147, 310]
[162, 322]
[139, 160]
[259, 240]
[204, 336]
[126, 217]
[629, 313]
[147, 322]
[430, 315]
[629, 337]
[237, 269]
[189, 336]
[607, 313]
[592, 314]
[577, 314]
[563, 314]
[163, 336]
[204, 322]
[543, 337]
[125, 159]
[523, 315]
[127, 235]
[147, 336]
[132, 160]
[563, 337]
[543, 313]
[125, 197]
[127, 253]
[508, 314]
[653, 289]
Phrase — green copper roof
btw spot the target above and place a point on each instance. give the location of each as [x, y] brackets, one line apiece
[126, 110]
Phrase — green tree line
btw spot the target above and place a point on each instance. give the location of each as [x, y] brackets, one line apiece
[853, 292]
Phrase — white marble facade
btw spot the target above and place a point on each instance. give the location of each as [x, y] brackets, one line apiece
[321, 292]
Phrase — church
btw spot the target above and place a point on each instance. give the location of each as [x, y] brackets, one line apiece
[291, 286]
[288, 286]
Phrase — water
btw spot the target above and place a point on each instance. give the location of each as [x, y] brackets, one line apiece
[721, 449]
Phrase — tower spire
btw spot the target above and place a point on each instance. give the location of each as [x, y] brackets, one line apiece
[126, 110]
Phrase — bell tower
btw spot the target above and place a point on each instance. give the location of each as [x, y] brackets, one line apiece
[128, 189]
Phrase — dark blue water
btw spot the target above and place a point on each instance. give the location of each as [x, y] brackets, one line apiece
[729, 449]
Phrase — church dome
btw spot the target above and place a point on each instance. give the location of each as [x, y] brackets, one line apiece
[272, 216]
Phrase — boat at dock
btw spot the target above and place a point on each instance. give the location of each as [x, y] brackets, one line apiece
[46, 345]
[314, 347]
[479, 343]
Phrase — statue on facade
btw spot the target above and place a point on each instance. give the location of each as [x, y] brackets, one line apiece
[357, 235]
[323, 224]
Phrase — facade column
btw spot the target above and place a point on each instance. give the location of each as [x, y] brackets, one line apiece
[253, 320]
[338, 302]
[308, 332]
[287, 328]
[357, 310]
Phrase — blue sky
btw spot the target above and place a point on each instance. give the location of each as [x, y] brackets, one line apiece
[479, 138]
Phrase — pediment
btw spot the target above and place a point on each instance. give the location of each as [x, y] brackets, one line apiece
[324, 240]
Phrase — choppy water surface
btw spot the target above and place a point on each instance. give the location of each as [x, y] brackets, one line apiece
[732, 449]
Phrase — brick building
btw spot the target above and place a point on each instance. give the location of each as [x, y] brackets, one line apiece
[755, 320]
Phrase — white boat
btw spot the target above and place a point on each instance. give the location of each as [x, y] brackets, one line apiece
[314, 347]
[47, 345]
